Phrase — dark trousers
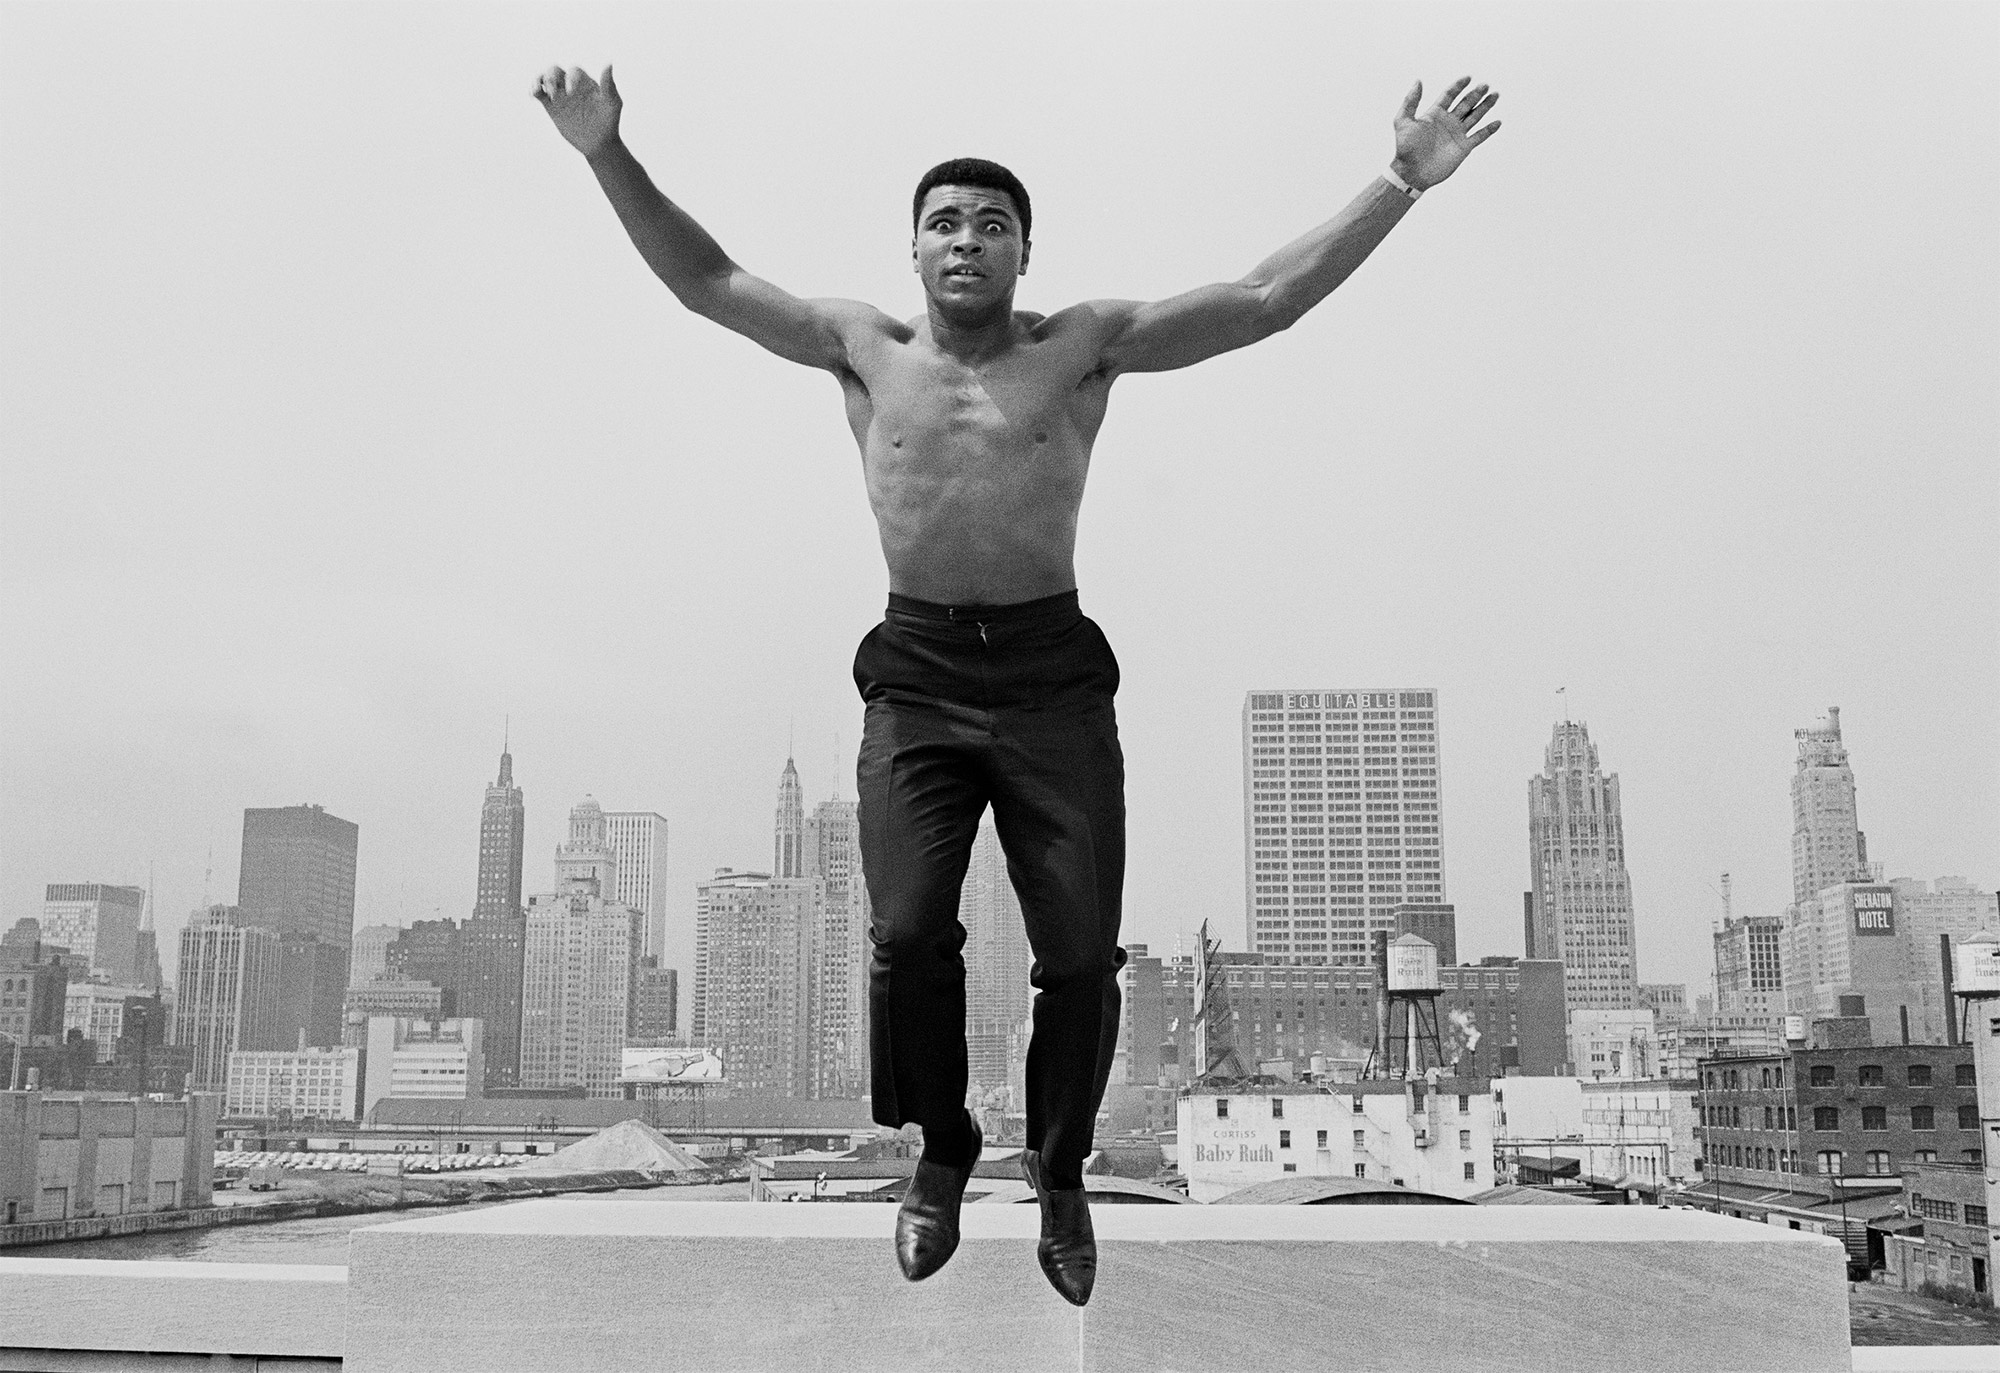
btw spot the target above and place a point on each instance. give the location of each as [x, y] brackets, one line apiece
[1008, 706]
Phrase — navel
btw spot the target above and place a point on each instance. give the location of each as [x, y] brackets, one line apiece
[1041, 438]
[896, 442]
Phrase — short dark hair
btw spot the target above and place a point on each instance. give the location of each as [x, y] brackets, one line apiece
[974, 171]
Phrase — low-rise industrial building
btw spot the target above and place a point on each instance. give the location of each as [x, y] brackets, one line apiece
[305, 1084]
[1432, 1137]
[63, 1157]
[1943, 1239]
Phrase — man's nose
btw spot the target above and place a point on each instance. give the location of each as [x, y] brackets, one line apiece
[968, 245]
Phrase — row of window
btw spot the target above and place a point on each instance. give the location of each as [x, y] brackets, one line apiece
[1876, 1163]
[1827, 1118]
[1934, 1208]
[1278, 1109]
[1825, 1075]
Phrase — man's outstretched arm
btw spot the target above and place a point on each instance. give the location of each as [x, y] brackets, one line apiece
[680, 251]
[1185, 329]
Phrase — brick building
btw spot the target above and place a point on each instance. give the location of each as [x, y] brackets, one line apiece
[1804, 1120]
[1285, 1010]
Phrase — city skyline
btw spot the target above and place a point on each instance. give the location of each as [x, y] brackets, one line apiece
[365, 654]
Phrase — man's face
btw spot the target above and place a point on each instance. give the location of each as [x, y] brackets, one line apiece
[969, 247]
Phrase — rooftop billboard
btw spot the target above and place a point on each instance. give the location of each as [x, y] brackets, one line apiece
[678, 1064]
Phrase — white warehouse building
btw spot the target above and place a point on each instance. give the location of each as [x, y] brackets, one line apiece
[1430, 1137]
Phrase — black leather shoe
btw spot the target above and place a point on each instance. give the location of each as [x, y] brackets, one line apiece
[927, 1223]
[1068, 1248]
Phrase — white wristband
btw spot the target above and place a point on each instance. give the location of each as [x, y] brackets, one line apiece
[1405, 187]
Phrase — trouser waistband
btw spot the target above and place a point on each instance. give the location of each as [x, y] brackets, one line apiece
[1060, 605]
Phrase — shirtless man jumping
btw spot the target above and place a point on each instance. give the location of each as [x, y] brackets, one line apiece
[985, 684]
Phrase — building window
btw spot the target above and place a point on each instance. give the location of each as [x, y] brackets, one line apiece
[1822, 1075]
[1930, 1208]
[1361, 1170]
[1922, 1118]
[1974, 1156]
[1277, 1108]
[1767, 1117]
[1968, 1117]
[1926, 1156]
[1871, 1075]
[1874, 1117]
[1465, 1139]
[1826, 1117]
[1360, 1139]
[1357, 1106]
[1284, 1139]
[1965, 1075]
[1320, 1141]
[1829, 1163]
[1766, 1079]
[1222, 1108]
[1920, 1074]
[1291, 1168]
[1876, 1163]
[1464, 1104]
[1975, 1215]
[1468, 1173]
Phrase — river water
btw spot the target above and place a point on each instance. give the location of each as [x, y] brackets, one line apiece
[315, 1239]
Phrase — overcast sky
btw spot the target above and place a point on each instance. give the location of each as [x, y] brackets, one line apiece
[341, 423]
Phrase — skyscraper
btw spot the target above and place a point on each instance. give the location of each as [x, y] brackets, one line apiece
[97, 922]
[997, 956]
[1582, 904]
[503, 828]
[579, 967]
[1828, 846]
[638, 840]
[493, 941]
[297, 874]
[146, 950]
[297, 880]
[227, 993]
[839, 958]
[753, 989]
[788, 844]
[1749, 978]
[1342, 820]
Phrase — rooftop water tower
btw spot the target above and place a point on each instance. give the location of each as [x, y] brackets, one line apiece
[1408, 968]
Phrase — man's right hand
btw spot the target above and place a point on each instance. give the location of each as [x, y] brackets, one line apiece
[585, 111]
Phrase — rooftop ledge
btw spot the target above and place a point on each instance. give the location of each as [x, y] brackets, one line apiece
[640, 1284]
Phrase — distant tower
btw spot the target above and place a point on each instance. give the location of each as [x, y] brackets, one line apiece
[788, 856]
[1828, 847]
[1582, 904]
[227, 995]
[580, 967]
[586, 855]
[839, 972]
[997, 960]
[97, 922]
[146, 949]
[503, 828]
[753, 988]
[494, 939]
[638, 840]
[1341, 818]
[297, 879]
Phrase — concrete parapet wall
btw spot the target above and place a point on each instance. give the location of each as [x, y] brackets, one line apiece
[240, 1310]
[636, 1284]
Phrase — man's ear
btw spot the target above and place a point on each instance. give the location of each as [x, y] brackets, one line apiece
[915, 266]
[1025, 246]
